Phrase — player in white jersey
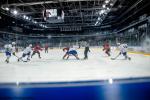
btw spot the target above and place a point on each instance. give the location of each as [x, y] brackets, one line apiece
[26, 52]
[123, 50]
[8, 51]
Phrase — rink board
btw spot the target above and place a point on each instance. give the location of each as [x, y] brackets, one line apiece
[123, 91]
[51, 68]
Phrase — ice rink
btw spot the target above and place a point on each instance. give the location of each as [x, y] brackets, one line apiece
[51, 67]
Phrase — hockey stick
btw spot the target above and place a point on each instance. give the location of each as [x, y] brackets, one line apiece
[20, 59]
[16, 56]
[115, 57]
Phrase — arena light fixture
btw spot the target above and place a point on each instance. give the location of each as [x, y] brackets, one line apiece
[104, 6]
[24, 16]
[15, 12]
[102, 12]
[40, 25]
[108, 8]
[44, 26]
[7, 8]
[111, 4]
[107, 1]
[27, 17]
[96, 23]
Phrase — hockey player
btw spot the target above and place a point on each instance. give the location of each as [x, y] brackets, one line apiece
[79, 45]
[26, 52]
[46, 48]
[123, 51]
[37, 50]
[8, 51]
[106, 48]
[14, 48]
[66, 50]
[86, 50]
[70, 52]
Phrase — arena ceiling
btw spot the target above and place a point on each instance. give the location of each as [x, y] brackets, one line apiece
[79, 13]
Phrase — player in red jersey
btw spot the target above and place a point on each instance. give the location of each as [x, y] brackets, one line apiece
[66, 50]
[37, 50]
[106, 48]
[70, 52]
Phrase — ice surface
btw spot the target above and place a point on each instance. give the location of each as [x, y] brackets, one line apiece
[51, 68]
